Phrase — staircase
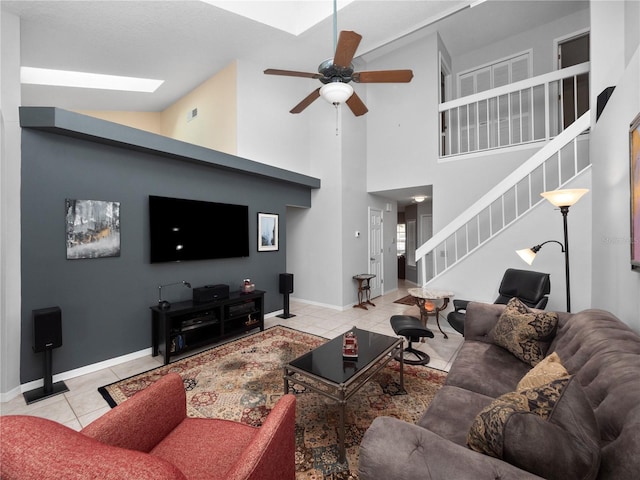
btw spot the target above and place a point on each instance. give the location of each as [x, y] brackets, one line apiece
[559, 161]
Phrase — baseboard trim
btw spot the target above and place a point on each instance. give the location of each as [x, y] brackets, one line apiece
[77, 372]
[319, 304]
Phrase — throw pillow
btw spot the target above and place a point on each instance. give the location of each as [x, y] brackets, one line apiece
[550, 431]
[524, 333]
[550, 368]
[488, 428]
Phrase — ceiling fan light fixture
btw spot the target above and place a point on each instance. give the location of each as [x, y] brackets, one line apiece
[336, 92]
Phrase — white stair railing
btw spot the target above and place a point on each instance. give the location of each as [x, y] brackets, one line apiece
[521, 112]
[555, 164]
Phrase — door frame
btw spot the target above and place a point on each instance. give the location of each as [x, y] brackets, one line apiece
[444, 94]
[557, 42]
[381, 243]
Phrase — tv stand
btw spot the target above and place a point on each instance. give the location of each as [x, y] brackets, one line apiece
[187, 325]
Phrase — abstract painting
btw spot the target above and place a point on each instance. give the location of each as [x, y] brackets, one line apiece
[93, 229]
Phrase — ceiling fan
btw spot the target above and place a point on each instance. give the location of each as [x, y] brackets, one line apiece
[336, 73]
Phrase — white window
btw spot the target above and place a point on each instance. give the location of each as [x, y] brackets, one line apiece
[496, 74]
[402, 238]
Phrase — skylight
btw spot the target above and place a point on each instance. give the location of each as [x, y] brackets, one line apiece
[66, 78]
[291, 16]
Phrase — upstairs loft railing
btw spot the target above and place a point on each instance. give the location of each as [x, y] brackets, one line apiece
[550, 168]
[522, 112]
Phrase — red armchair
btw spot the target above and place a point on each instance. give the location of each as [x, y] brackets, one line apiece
[149, 436]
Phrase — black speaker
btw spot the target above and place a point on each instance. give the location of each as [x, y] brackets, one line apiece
[286, 283]
[602, 100]
[210, 293]
[47, 335]
[47, 328]
[286, 287]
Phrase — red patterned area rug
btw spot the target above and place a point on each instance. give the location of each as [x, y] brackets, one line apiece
[241, 380]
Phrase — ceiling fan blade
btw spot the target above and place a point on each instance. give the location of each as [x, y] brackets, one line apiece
[308, 100]
[383, 76]
[291, 73]
[345, 50]
[356, 105]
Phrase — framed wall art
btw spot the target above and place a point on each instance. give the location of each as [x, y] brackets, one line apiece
[634, 150]
[268, 234]
[93, 229]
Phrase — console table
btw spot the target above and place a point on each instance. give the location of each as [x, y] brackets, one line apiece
[431, 302]
[188, 325]
[364, 290]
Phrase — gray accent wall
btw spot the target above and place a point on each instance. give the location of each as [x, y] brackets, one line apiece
[105, 302]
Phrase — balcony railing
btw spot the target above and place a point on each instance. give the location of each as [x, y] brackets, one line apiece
[522, 112]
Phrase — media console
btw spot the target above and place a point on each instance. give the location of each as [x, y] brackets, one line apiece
[187, 325]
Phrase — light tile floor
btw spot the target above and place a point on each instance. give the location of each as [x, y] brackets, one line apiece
[82, 403]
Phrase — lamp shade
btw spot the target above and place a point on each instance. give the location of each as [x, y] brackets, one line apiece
[419, 198]
[564, 198]
[336, 92]
[527, 255]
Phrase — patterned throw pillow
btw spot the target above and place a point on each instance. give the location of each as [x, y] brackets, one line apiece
[488, 429]
[524, 333]
[547, 370]
[550, 431]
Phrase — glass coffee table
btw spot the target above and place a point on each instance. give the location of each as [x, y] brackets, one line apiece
[325, 371]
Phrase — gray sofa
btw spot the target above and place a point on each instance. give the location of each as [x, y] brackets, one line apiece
[600, 352]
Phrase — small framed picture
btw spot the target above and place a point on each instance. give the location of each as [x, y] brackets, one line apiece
[268, 234]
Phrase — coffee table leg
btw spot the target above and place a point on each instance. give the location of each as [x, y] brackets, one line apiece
[342, 457]
[402, 365]
[286, 381]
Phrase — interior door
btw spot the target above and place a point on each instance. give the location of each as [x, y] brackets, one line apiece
[375, 251]
[575, 95]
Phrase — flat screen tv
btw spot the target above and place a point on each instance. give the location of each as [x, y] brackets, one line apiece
[182, 229]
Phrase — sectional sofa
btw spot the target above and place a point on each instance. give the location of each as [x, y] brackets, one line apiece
[582, 422]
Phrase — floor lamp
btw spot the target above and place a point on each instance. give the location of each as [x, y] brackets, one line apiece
[562, 199]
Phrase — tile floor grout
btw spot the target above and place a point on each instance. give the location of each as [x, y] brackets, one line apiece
[83, 403]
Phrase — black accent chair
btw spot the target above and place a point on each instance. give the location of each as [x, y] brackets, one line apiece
[529, 286]
[412, 329]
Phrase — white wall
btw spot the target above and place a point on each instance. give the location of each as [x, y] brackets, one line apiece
[402, 128]
[615, 285]
[355, 201]
[315, 236]
[267, 132]
[10, 280]
[540, 39]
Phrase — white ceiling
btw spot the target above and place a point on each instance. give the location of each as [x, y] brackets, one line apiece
[187, 42]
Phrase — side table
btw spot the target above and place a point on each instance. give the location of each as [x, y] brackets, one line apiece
[431, 302]
[364, 290]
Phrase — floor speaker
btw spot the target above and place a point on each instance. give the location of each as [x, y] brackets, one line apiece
[47, 328]
[47, 335]
[286, 283]
[286, 288]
